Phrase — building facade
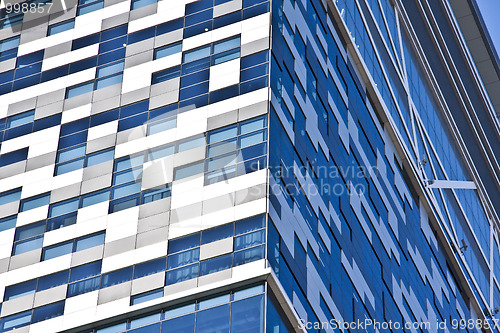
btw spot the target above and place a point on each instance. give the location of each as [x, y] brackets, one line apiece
[248, 166]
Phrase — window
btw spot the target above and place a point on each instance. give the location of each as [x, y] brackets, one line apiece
[167, 50]
[84, 279]
[19, 290]
[10, 20]
[8, 223]
[57, 250]
[226, 50]
[94, 198]
[99, 157]
[15, 321]
[79, 89]
[189, 170]
[35, 202]
[28, 238]
[196, 54]
[141, 3]
[88, 6]
[61, 27]
[8, 48]
[149, 267]
[190, 143]
[144, 297]
[20, 119]
[116, 277]
[87, 242]
[48, 311]
[166, 75]
[10, 196]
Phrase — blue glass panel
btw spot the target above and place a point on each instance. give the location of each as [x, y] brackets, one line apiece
[213, 320]
[189, 170]
[13, 157]
[254, 72]
[84, 286]
[170, 26]
[226, 44]
[213, 301]
[124, 203]
[179, 310]
[158, 193]
[63, 207]
[250, 224]
[18, 131]
[129, 162]
[29, 59]
[133, 109]
[222, 147]
[100, 157]
[69, 166]
[104, 117]
[108, 81]
[225, 56]
[94, 198]
[188, 80]
[154, 294]
[149, 267]
[29, 230]
[114, 32]
[167, 50]
[255, 10]
[216, 264]
[8, 222]
[48, 311]
[254, 59]
[161, 126]
[73, 139]
[111, 56]
[110, 69]
[85, 41]
[215, 234]
[132, 122]
[248, 315]
[252, 152]
[252, 125]
[20, 119]
[79, 89]
[254, 85]
[53, 280]
[113, 44]
[26, 82]
[198, 6]
[183, 258]
[87, 242]
[249, 255]
[190, 143]
[57, 250]
[91, 7]
[113, 329]
[198, 89]
[244, 293]
[144, 320]
[198, 17]
[27, 245]
[35, 202]
[221, 161]
[61, 221]
[8, 44]
[141, 3]
[181, 274]
[116, 277]
[196, 54]
[160, 152]
[60, 27]
[47, 122]
[20, 289]
[183, 243]
[85, 271]
[141, 35]
[125, 189]
[184, 324]
[15, 321]
[225, 93]
[10, 196]
[71, 153]
[80, 66]
[165, 75]
[227, 19]
[197, 65]
[74, 127]
[249, 240]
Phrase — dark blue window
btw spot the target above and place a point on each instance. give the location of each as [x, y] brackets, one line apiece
[15, 321]
[29, 59]
[57, 250]
[8, 48]
[94, 198]
[35, 202]
[170, 26]
[181, 274]
[165, 75]
[48, 311]
[10, 196]
[124, 203]
[99, 157]
[20, 289]
[215, 234]
[198, 6]
[184, 324]
[133, 109]
[84, 286]
[47, 122]
[149, 267]
[250, 224]
[104, 117]
[8, 222]
[85, 271]
[88, 7]
[82, 65]
[254, 59]
[85, 41]
[249, 255]
[183, 258]
[156, 194]
[53, 280]
[216, 264]
[13, 157]
[131, 122]
[141, 35]
[116, 277]
[213, 320]
[114, 32]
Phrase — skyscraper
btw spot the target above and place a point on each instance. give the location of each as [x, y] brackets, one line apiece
[248, 166]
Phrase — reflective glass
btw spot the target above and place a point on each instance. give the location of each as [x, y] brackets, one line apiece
[248, 315]
[184, 324]
[57, 250]
[35, 202]
[94, 198]
[168, 50]
[18, 290]
[21, 119]
[87, 242]
[216, 264]
[60, 27]
[99, 157]
[213, 320]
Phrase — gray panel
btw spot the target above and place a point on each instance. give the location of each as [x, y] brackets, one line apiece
[152, 237]
[111, 2]
[101, 143]
[227, 7]
[252, 111]
[214, 277]
[7, 65]
[87, 255]
[250, 194]
[77, 101]
[131, 134]
[153, 222]
[114, 292]
[105, 93]
[29, 35]
[216, 248]
[22, 106]
[4, 265]
[119, 246]
[41, 161]
[25, 259]
[12, 169]
[159, 172]
[166, 86]
[222, 120]
[135, 96]
[185, 213]
[181, 286]
[163, 99]
[96, 183]
[114, 21]
[62, 16]
[105, 105]
[189, 156]
[155, 208]
[9, 209]
[65, 192]
[17, 305]
[218, 203]
[147, 283]
[139, 47]
[139, 58]
[57, 49]
[168, 38]
[49, 109]
[50, 295]
[50, 98]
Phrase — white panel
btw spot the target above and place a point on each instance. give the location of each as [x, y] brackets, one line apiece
[15, 144]
[67, 179]
[225, 74]
[11, 182]
[54, 265]
[102, 130]
[59, 235]
[166, 62]
[76, 113]
[32, 215]
[137, 77]
[92, 212]
[69, 57]
[80, 302]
